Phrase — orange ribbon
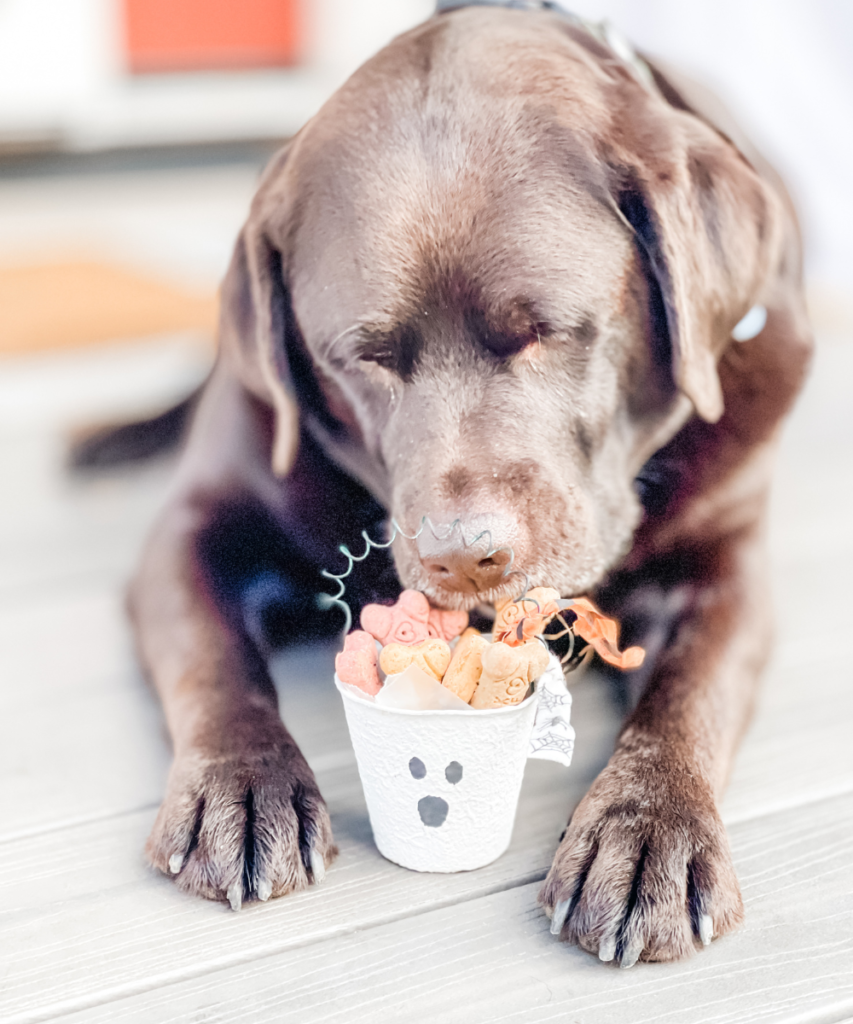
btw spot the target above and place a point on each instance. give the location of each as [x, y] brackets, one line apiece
[602, 633]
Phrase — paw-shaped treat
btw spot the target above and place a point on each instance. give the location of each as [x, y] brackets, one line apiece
[463, 674]
[446, 625]
[519, 621]
[508, 673]
[406, 622]
[433, 656]
[356, 663]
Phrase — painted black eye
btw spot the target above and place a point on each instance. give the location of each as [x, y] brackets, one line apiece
[453, 772]
[418, 768]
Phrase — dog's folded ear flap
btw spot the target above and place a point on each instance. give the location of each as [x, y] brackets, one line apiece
[710, 232]
[254, 321]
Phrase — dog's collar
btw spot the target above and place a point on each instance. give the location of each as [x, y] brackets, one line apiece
[603, 31]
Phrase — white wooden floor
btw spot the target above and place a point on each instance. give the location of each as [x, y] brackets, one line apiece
[89, 934]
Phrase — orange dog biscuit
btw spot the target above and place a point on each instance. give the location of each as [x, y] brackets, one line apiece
[519, 621]
[463, 674]
[508, 673]
[433, 656]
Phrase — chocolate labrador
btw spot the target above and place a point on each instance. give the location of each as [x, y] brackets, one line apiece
[494, 282]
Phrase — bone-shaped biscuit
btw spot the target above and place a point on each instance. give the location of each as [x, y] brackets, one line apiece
[356, 663]
[463, 674]
[519, 621]
[433, 656]
[508, 673]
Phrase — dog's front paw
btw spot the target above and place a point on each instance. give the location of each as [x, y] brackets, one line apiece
[245, 826]
[644, 869]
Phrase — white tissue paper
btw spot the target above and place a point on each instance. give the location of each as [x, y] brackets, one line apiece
[414, 690]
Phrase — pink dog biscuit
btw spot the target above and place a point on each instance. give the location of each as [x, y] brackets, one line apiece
[519, 621]
[406, 622]
[463, 674]
[446, 625]
[433, 656]
[507, 673]
[356, 663]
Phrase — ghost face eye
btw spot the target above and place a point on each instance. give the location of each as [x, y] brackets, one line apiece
[453, 772]
[417, 768]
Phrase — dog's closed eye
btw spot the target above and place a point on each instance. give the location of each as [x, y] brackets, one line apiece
[397, 352]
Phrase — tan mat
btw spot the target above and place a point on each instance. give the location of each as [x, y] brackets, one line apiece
[81, 302]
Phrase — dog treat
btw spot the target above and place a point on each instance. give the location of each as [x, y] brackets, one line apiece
[433, 656]
[410, 620]
[507, 673]
[517, 622]
[446, 625]
[482, 673]
[356, 663]
[466, 665]
[602, 633]
[404, 622]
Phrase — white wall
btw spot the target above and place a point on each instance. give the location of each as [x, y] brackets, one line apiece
[786, 67]
[346, 32]
[55, 57]
[62, 76]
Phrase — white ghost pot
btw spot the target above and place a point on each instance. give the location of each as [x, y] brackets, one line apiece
[442, 786]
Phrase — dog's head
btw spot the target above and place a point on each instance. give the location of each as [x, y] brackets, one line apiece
[496, 273]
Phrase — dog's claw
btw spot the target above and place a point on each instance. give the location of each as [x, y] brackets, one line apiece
[318, 866]
[264, 890]
[235, 895]
[706, 929]
[176, 862]
[607, 949]
[561, 912]
[630, 956]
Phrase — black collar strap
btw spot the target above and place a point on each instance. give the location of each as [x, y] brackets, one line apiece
[603, 31]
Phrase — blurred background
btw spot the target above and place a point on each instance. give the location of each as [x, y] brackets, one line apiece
[132, 132]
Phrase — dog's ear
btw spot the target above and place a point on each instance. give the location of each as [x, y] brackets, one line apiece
[709, 232]
[254, 324]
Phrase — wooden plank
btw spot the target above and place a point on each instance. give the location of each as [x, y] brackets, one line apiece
[79, 700]
[114, 926]
[492, 959]
[93, 919]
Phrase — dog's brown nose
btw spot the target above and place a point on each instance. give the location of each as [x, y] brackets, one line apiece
[467, 557]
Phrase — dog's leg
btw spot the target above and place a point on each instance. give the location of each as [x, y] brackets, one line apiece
[242, 815]
[644, 869]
